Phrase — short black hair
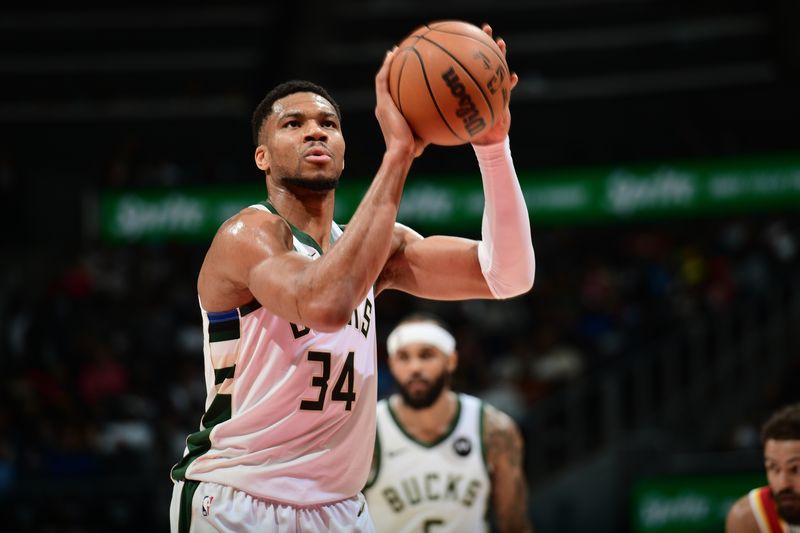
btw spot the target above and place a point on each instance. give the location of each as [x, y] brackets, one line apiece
[264, 108]
[784, 424]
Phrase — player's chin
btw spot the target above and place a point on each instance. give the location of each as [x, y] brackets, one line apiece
[322, 183]
[789, 508]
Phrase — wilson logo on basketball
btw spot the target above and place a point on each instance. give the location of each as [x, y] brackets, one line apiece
[466, 111]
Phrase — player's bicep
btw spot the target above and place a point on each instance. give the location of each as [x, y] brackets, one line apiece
[437, 267]
[504, 450]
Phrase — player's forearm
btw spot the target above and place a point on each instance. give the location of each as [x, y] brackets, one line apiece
[511, 510]
[347, 272]
[506, 251]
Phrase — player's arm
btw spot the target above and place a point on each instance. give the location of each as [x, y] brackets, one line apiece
[501, 264]
[740, 518]
[252, 253]
[504, 450]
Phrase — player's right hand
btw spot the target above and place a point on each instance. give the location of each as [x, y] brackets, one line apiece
[396, 132]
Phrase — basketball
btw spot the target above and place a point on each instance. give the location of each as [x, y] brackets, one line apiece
[450, 81]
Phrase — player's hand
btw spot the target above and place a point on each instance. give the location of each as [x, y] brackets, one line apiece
[501, 126]
[396, 132]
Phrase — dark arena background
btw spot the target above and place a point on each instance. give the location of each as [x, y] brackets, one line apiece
[658, 147]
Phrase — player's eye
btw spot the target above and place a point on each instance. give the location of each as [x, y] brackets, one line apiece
[329, 124]
[292, 124]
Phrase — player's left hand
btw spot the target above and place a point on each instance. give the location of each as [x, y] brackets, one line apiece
[501, 126]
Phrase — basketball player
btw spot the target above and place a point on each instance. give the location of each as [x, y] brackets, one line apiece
[288, 305]
[776, 507]
[439, 455]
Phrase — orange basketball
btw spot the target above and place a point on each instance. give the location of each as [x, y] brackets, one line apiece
[450, 81]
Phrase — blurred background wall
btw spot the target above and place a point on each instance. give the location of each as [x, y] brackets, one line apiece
[658, 148]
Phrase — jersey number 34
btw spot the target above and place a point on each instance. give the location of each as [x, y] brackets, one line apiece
[342, 389]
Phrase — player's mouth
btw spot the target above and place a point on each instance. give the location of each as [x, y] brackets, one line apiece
[317, 155]
[417, 385]
[788, 500]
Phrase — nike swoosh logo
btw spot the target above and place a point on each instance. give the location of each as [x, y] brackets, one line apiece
[393, 453]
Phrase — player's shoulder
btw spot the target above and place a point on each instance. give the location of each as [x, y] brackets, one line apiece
[253, 215]
[496, 420]
[250, 222]
[740, 517]
[502, 439]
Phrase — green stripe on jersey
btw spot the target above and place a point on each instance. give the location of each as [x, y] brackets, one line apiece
[482, 432]
[447, 433]
[299, 234]
[185, 512]
[199, 442]
[246, 309]
[221, 374]
[219, 336]
[376, 462]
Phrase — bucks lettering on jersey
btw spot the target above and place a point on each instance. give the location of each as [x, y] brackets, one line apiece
[438, 487]
[290, 412]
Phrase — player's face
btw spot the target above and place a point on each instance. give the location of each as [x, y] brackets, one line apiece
[422, 372]
[302, 142]
[782, 461]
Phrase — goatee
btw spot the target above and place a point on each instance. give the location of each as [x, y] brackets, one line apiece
[319, 185]
[788, 504]
[429, 397]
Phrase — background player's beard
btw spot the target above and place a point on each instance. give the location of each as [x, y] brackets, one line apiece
[321, 185]
[788, 504]
[427, 398]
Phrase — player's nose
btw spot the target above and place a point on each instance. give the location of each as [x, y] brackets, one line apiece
[315, 132]
[783, 481]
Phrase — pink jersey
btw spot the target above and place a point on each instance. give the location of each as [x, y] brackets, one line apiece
[290, 412]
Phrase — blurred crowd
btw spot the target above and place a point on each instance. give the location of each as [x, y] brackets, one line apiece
[101, 352]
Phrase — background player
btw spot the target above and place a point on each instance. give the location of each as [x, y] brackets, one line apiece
[776, 507]
[440, 455]
[287, 299]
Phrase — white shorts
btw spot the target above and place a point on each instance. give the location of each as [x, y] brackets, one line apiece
[218, 508]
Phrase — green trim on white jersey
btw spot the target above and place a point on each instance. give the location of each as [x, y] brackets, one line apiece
[444, 436]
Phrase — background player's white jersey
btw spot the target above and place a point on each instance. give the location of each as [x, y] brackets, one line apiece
[290, 412]
[437, 488]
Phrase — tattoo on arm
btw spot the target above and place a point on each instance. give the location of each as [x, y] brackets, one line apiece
[504, 449]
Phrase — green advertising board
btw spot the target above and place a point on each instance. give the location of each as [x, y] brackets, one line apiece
[455, 203]
[689, 503]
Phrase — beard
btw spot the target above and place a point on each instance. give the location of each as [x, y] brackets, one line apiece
[788, 504]
[310, 184]
[427, 397]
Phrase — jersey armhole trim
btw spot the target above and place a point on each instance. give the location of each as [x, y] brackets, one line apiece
[373, 476]
[482, 431]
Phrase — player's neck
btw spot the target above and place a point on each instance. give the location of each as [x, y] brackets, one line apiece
[430, 423]
[311, 213]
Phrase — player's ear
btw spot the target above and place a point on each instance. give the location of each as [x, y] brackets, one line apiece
[262, 157]
[452, 362]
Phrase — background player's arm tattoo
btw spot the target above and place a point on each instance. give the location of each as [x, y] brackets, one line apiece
[504, 448]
